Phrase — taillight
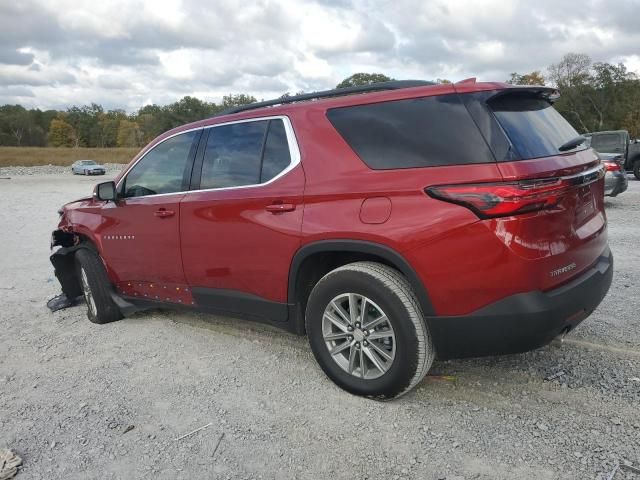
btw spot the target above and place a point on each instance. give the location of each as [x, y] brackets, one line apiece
[611, 165]
[490, 200]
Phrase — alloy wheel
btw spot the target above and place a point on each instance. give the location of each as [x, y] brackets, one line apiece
[359, 336]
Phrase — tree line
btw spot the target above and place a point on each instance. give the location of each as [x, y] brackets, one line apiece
[93, 126]
[594, 96]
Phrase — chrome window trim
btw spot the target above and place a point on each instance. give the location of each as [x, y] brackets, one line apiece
[294, 153]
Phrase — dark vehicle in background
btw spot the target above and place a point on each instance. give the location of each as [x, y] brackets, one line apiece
[615, 178]
[87, 167]
[616, 144]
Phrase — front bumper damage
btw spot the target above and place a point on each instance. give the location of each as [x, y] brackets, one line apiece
[66, 271]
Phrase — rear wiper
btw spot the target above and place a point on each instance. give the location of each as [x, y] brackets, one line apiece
[573, 143]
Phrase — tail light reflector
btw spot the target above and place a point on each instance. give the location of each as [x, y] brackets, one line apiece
[611, 165]
[491, 200]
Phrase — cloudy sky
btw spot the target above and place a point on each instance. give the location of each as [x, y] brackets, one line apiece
[127, 53]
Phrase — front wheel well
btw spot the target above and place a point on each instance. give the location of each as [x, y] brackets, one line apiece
[64, 262]
[313, 262]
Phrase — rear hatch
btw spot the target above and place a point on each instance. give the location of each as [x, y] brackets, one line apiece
[549, 209]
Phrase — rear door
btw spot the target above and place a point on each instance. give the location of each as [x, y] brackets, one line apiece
[240, 227]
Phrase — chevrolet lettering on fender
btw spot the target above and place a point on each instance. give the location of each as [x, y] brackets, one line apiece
[392, 224]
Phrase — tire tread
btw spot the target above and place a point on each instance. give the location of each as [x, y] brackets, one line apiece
[396, 283]
[107, 310]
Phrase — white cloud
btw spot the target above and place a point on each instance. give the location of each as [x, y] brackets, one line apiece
[125, 53]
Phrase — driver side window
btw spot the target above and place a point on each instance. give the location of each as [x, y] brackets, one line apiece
[162, 169]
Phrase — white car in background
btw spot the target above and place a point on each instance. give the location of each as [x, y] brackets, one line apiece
[87, 167]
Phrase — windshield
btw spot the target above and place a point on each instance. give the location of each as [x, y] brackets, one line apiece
[87, 162]
[607, 142]
[533, 126]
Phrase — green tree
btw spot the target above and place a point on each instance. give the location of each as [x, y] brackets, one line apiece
[595, 97]
[153, 120]
[61, 134]
[108, 124]
[358, 79]
[237, 100]
[129, 134]
[572, 75]
[85, 121]
[532, 78]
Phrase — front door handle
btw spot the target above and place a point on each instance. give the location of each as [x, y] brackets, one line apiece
[164, 213]
[280, 207]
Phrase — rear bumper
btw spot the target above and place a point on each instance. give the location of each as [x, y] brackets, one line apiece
[615, 183]
[524, 321]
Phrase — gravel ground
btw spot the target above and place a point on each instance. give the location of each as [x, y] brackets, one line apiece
[79, 400]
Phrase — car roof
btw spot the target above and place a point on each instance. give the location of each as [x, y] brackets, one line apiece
[413, 89]
[347, 97]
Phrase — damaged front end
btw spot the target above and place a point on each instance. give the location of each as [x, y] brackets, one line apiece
[66, 271]
[64, 265]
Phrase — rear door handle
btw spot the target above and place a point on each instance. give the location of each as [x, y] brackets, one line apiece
[280, 207]
[164, 213]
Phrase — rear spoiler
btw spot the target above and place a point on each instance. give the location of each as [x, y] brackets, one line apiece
[548, 93]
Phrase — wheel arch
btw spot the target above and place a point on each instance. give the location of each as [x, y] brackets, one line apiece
[63, 259]
[313, 260]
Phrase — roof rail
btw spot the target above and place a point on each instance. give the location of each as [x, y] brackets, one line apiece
[336, 92]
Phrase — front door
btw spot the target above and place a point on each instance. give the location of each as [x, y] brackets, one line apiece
[140, 232]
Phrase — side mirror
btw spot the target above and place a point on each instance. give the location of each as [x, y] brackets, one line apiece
[105, 191]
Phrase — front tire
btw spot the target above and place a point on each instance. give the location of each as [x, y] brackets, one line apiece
[96, 288]
[367, 330]
[636, 169]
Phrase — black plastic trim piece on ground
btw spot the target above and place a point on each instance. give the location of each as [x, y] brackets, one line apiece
[525, 321]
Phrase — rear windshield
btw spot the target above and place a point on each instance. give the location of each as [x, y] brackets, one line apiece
[419, 132]
[607, 142]
[535, 128]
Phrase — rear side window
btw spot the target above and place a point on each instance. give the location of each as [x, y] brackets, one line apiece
[232, 156]
[241, 154]
[419, 132]
[533, 126]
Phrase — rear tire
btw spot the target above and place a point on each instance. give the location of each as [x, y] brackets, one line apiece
[96, 288]
[636, 169]
[361, 354]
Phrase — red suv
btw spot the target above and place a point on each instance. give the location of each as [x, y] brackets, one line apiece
[392, 224]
